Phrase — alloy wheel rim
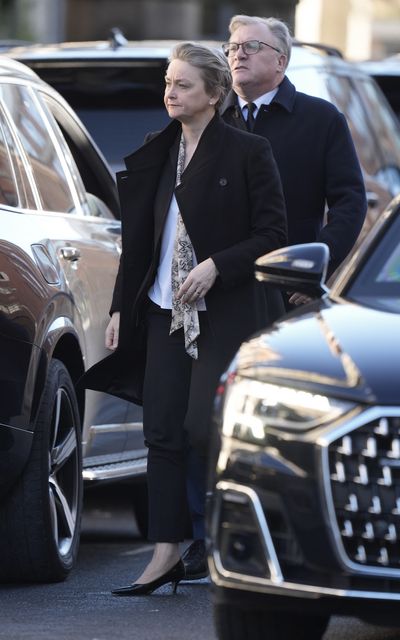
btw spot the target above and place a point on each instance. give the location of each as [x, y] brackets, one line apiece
[63, 472]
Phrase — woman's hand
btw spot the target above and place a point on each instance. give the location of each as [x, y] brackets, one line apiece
[199, 282]
[112, 331]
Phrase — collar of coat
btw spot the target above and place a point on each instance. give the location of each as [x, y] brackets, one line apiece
[285, 98]
[164, 143]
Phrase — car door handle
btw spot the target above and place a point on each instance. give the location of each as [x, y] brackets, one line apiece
[70, 253]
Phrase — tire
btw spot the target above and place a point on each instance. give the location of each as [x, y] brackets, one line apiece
[40, 519]
[234, 623]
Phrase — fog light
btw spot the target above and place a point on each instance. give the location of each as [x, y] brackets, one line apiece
[240, 546]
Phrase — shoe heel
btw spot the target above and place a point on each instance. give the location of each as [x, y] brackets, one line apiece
[175, 586]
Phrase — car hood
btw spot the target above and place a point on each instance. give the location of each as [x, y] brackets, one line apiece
[344, 349]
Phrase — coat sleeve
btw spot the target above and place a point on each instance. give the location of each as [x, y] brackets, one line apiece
[345, 193]
[117, 293]
[266, 215]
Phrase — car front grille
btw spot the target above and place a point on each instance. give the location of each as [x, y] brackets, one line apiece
[364, 481]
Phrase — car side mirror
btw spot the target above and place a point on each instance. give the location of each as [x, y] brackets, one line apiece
[301, 268]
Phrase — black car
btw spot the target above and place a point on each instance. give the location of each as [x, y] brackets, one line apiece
[304, 511]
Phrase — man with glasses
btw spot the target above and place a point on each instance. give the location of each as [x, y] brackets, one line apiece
[310, 139]
[319, 169]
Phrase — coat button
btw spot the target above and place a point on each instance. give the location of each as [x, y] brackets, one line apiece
[223, 182]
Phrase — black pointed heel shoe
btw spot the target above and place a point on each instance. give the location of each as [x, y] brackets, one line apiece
[174, 575]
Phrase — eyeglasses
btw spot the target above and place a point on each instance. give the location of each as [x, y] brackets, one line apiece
[249, 47]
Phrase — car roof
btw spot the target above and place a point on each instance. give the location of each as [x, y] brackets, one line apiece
[15, 69]
[101, 51]
[386, 67]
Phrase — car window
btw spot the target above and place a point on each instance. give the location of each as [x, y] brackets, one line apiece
[119, 105]
[48, 173]
[94, 173]
[387, 130]
[347, 100]
[22, 184]
[378, 283]
[309, 80]
[8, 187]
[66, 152]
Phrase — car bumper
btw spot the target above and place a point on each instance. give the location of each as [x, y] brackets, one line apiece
[296, 521]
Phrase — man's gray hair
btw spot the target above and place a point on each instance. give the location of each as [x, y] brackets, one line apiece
[213, 65]
[279, 30]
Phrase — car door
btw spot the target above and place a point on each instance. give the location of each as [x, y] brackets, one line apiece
[83, 248]
[113, 419]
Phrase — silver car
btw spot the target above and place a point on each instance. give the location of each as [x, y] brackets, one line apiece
[59, 253]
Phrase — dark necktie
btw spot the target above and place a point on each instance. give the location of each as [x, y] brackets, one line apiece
[251, 107]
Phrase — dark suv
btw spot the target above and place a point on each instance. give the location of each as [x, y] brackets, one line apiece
[117, 90]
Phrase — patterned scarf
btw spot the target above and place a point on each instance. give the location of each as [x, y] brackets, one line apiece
[183, 315]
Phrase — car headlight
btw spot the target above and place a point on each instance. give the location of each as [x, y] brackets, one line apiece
[252, 407]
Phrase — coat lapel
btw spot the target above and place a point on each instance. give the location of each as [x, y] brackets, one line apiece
[210, 145]
[165, 191]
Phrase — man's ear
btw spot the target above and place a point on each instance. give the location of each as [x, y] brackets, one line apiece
[281, 62]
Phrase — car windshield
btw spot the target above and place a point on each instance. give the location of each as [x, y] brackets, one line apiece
[130, 96]
[377, 284]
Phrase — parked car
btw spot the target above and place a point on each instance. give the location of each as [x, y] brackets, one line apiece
[386, 74]
[117, 89]
[59, 253]
[304, 513]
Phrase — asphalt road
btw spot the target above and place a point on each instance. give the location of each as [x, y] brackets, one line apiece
[111, 554]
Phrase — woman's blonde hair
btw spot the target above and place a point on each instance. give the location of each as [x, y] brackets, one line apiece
[212, 64]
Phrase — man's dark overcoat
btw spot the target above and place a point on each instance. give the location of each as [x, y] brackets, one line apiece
[231, 201]
[318, 165]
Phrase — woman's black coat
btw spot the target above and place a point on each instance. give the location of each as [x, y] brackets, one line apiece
[231, 201]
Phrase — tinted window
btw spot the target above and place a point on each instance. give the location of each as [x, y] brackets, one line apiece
[119, 105]
[347, 100]
[378, 283]
[387, 130]
[390, 86]
[47, 170]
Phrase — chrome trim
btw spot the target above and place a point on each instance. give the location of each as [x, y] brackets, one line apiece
[112, 458]
[274, 585]
[329, 436]
[266, 539]
[115, 426]
[266, 586]
[126, 469]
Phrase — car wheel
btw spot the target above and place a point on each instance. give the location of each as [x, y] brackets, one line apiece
[234, 623]
[40, 519]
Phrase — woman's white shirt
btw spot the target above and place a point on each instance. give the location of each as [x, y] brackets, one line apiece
[161, 290]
